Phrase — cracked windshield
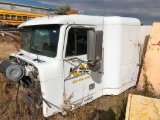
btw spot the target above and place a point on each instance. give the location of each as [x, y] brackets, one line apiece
[42, 40]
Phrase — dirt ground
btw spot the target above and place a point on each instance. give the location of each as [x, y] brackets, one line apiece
[103, 108]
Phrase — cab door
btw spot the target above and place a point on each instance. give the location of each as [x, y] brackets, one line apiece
[79, 82]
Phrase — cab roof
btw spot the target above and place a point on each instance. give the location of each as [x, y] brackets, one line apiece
[80, 19]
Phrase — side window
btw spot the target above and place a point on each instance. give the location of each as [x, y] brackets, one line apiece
[19, 17]
[13, 17]
[77, 42]
[24, 18]
[7, 17]
[1, 16]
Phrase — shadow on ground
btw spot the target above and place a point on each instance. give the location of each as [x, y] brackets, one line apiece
[102, 115]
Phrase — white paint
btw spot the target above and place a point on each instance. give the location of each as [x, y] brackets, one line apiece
[144, 32]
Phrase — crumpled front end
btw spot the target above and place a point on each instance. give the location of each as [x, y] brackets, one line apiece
[40, 79]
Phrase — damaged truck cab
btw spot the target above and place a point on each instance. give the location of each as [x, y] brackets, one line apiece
[74, 59]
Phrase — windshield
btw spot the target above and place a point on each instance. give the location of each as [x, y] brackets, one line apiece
[42, 40]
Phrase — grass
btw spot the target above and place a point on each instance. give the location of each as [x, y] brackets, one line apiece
[6, 49]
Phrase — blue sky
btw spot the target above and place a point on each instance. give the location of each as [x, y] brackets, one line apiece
[147, 11]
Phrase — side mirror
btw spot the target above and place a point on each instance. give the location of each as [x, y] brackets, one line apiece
[94, 49]
[91, 44]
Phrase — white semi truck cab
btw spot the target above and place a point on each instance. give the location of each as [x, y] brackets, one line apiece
[71, 60]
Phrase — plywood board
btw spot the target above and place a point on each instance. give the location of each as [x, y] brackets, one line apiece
[151, 66]
[142, 108]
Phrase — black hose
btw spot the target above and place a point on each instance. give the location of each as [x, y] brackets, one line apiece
[17, 105]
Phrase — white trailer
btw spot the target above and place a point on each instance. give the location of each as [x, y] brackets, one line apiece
[75, 59]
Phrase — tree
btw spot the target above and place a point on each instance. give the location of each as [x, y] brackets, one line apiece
[61, 10]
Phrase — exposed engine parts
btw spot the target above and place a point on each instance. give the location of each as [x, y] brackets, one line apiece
[26, 75]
